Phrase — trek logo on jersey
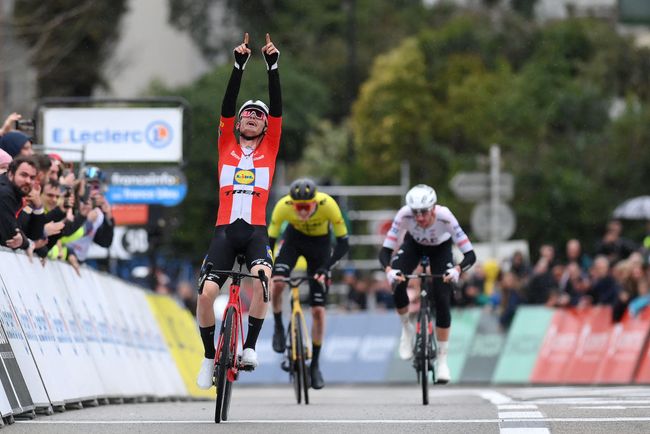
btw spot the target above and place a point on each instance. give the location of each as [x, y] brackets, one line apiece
[250, 192]
[244, 177]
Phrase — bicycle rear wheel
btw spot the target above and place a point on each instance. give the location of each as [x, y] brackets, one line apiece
[224, 362]
[302, 361]
[423, 355]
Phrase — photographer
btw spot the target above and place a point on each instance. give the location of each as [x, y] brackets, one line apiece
[93, 212]
[95, 183]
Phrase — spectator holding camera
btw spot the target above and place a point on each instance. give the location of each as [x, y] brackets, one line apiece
[94, 179]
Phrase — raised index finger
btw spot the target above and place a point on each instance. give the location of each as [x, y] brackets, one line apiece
[246, 38]
[268, 39]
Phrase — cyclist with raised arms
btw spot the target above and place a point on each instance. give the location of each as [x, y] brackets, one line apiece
[429, 231]
[309, 213]
[247, 146]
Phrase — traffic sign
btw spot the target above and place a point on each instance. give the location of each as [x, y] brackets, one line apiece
[480, 221]
[473, 186]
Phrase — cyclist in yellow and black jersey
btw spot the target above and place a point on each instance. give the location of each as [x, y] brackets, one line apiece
[310, 214]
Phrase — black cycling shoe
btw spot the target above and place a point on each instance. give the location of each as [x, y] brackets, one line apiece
[279, 341]
[317, 381]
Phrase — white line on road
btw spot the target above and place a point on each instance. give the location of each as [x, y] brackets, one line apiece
[524, 430]
[520, 415]
[517, 407]
[612, 407]
[338, 421]
[495, 398]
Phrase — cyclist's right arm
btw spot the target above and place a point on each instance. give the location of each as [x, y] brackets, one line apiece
[277, 218]
[229, 104]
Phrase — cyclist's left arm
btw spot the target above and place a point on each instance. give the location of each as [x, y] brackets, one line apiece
[460, 238]
[340, 231]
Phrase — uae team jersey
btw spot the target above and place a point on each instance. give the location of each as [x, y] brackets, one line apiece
[245, 179]
[445, 226]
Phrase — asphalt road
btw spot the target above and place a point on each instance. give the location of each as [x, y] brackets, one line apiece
[364, 409]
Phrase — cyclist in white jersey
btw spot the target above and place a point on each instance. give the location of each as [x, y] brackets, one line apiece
[428, 230]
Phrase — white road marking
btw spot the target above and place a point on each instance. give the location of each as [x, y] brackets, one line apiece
[612, 407]
[520, 414]
[337, 421]
[495, 398]
[517, 407]
[525, 430]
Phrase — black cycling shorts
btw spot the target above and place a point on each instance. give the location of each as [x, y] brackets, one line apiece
[407, 258]
[239, 237]
[316, 251]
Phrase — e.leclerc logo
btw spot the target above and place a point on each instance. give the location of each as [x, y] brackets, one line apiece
[245, 177]
[158, 134]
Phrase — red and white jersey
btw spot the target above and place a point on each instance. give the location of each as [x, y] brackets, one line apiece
[245, 179]
[444, 226]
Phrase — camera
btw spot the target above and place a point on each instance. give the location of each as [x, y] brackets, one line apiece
[24, 125]
[66, 192]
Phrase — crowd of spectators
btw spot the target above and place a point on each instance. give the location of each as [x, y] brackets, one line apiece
[616, 275]
[45, 208]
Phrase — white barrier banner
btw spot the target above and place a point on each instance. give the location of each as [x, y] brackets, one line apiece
[123, 367]
[158, 363]
[21, 278]
[21, 349]
[81, 337]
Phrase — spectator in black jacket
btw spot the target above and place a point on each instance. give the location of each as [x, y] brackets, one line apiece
[14, 186]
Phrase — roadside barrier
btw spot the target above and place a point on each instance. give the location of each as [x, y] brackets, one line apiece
[81, 340]
[78, 340]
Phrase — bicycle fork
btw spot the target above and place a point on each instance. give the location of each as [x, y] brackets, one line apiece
[297, 315]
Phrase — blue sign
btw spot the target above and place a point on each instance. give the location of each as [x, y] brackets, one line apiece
[158, 186]
[167, 195]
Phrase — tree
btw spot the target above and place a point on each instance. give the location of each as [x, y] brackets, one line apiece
[445, 95]
[69, 42]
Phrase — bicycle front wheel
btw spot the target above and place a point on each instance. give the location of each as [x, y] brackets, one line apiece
[302, 361]
[294, 375]
[423, 355]
[223, 364]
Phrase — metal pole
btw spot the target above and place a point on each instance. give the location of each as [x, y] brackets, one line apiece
[405, 178]
[495, 169]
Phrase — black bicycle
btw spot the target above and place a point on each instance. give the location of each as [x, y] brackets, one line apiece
[426, 346]
[299, 343]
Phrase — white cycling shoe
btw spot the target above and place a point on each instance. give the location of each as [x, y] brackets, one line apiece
[249, 358]
[442, 372]
[206, 374]
[406, 342]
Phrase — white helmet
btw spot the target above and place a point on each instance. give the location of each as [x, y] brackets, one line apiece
[421, 197]
[254, 104]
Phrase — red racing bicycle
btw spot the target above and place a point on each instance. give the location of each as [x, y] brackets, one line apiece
[227, 361]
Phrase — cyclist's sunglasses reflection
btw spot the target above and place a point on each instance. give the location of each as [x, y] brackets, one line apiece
[253, 113]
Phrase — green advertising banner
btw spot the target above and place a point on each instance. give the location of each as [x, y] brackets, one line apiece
[464, 323]
[524, 341]
[484, 350]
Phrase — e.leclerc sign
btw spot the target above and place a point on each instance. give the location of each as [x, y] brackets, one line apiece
[115, 134]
